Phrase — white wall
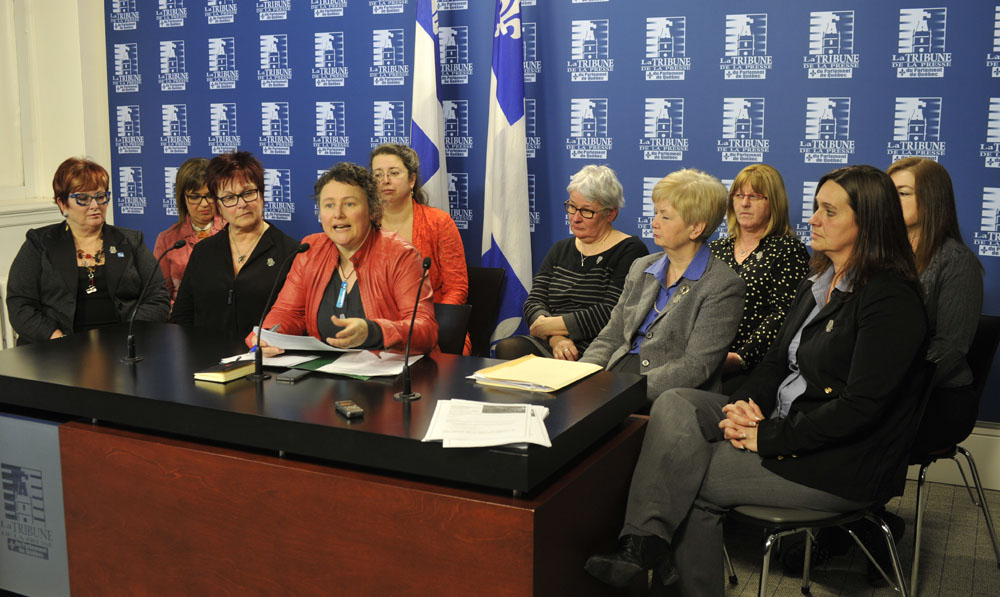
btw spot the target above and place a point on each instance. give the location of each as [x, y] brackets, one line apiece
[53, 105]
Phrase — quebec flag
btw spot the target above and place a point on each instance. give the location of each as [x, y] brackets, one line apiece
[506, 241]
[427, 124]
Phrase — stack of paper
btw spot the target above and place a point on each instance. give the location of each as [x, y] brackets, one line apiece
[369, 364]
[469, 424]
[535, 373]
[281, 360]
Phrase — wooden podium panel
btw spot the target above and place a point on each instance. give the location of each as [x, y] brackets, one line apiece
[152, 515]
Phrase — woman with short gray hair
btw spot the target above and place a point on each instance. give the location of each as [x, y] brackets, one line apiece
[582, 276]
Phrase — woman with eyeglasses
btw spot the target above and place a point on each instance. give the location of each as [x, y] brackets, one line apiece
[197, 219]
[396, 169]
[581, 277]
[229, 275]
[763, 249]
[84, 273]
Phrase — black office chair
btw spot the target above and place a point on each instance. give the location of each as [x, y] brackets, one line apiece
[781, 522]
[485, 284]
[453, 323]
[980, 358]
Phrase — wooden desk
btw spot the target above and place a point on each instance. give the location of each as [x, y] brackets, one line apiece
[182, 490]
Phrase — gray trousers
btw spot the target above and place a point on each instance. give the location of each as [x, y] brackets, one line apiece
[688, 475]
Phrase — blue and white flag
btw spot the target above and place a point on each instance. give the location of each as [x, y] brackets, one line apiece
[427, 126]
[506, 238]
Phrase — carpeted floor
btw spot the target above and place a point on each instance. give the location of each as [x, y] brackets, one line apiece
[957, 556]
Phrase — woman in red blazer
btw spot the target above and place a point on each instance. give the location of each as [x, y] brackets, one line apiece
[356, 286]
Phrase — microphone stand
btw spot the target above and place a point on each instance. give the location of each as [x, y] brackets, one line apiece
[258, 374]
[408, 395]
[130, 357]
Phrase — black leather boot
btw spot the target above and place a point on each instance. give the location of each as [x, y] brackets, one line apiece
[636, 555]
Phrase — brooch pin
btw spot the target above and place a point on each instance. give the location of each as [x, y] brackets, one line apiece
[758, 255]
[829, 326]
[685, 288]
[270, 262]
[112, 249]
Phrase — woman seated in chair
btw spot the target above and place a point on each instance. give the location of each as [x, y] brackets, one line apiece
[821, 423]
[952, 280]
[581, 277]
[356, 286]
[679, 310]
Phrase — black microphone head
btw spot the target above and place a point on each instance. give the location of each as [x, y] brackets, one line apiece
[302, 248]
[427, 263]
[179, 244]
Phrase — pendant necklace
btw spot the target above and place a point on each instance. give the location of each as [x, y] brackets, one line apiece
[98, 259]
[242, 256]
[343, 286]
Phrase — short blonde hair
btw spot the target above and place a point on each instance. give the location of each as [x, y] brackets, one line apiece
[697, 197]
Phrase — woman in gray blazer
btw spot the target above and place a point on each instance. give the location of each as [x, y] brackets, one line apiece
[679, 309]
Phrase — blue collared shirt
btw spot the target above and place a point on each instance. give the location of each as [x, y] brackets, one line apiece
[795, 385]
[658, 269]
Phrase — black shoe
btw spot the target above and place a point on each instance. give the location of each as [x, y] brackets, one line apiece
[636, 555]
[875, 542]
[827, 543]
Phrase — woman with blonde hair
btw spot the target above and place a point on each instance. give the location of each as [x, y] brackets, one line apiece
[763, 249]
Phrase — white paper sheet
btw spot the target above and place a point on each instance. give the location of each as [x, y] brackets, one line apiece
[369, 364]
[288, 342]
[281, 360]
[471, 424]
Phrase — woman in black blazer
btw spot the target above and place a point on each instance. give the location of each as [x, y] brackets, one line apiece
[821, 422]
[82, 273]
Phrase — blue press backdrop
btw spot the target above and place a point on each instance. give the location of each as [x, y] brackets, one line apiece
[644, 87]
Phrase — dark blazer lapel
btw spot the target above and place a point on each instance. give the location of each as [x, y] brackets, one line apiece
[115, 244]
[830, 309]
[63, 258]
[793, 321]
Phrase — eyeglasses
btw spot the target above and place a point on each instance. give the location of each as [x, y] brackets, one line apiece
[391, 173]
[750, 196]
[196, 199]
[248, 196]
[586, 213]
[84, 199]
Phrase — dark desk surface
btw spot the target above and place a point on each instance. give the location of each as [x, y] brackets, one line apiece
[82, 375]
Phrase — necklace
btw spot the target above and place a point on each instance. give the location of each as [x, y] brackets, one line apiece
[97, 259]
[741, 252]
[343, 285]
[242, 255]
[201, 232]
[598, 248]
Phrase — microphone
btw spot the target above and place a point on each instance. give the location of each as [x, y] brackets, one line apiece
[130, 341]
[258, 357]
[407, 395]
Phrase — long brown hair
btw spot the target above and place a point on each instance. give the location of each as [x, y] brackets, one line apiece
[410, 160]
[935, 199]
[767, 181]
[882, 243]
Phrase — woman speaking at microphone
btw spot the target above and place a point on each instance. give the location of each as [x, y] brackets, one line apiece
[229, 276]
[357, 285]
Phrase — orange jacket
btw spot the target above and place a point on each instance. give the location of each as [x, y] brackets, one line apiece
[389, 271]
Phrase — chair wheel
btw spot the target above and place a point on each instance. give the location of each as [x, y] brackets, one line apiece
[733, 580]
